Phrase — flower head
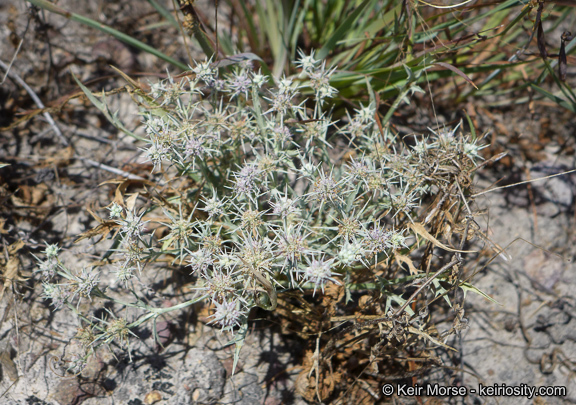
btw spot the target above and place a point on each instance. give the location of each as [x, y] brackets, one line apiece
[306, 62]
[319, 272]
[239, 83]
[51, 251]
[228, 314]
[205, 72]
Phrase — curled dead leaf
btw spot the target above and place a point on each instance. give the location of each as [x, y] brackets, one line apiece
[16, 246]
[405, 259]
[3, 231]
[60, 159]
[10, 275]
[131, 201]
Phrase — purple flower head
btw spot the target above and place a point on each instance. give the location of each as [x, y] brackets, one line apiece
[194, 147]
[239, 83]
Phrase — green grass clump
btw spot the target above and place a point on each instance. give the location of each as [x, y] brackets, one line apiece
[457, 51]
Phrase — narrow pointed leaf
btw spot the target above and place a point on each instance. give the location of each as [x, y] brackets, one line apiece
[457, 71]
[341, 32]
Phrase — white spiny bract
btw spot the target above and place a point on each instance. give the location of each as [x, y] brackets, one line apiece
[351, 252]
[132, 225]
[472, 149]
[239, 84]
[200, 260]
[205, 72]
[51, 251]
[307, 64]
[263, 191]
[228, 314]
[365, 114]
[56, 293]
[319, 272]
[284, 207]
[213, 206]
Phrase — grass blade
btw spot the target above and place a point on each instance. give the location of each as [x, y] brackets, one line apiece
[342, 30]
[558, 100]
[164, 13]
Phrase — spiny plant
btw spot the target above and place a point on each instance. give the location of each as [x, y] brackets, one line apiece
[268, 203]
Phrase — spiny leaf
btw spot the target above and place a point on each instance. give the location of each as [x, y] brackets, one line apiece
[238, 341]
[469, 287]
[405, 259]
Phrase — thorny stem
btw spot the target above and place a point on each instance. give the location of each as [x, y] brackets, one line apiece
[453, 262]
[153, 311]
[270, 289]
[458, 256]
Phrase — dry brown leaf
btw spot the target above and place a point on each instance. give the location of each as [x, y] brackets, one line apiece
[2, 224]
[332, 294]
[131, 201]
[120, 188]
[417, 331]
[302, 385]
[31, 196]
[97, 217]
[123, 186]
[16, 246]
[8, 366]
[102, 229]
[419, 229]
[152, 397]
[38, 193]
[132, 82]
[10, 275]
[11, 269]
[62, 158]
[448, 228]
[405, 259]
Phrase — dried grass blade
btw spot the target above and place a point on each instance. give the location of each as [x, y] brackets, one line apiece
[420, 230]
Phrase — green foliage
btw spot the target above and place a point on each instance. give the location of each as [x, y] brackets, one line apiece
[375, 40]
